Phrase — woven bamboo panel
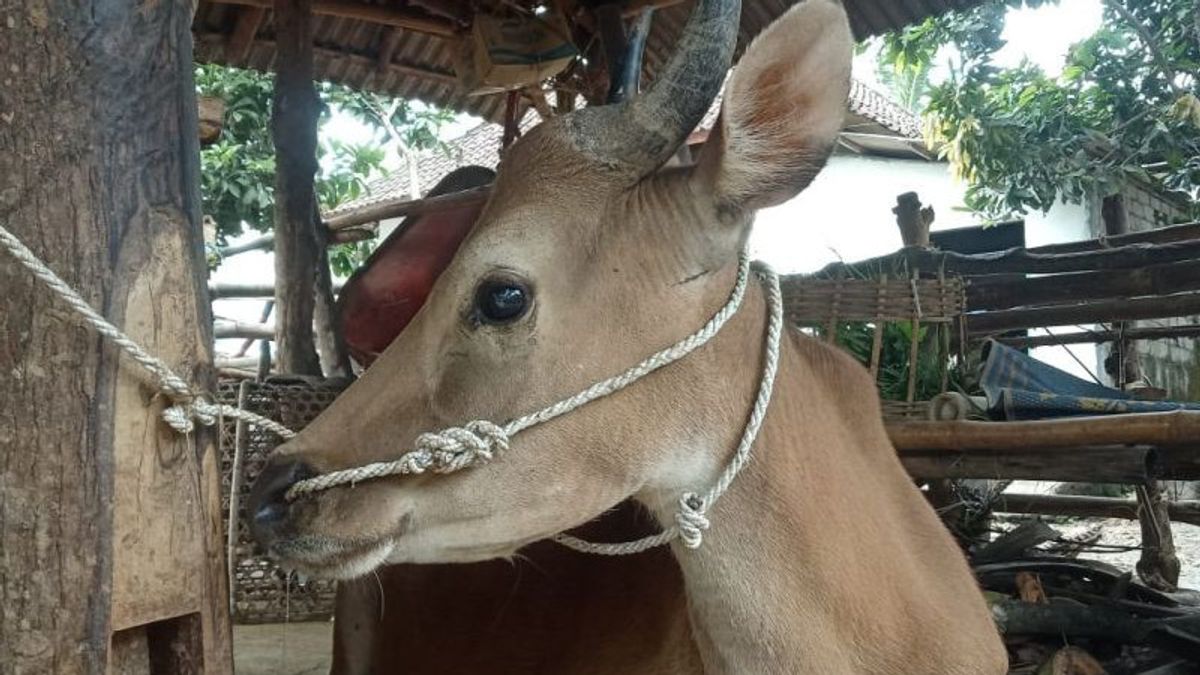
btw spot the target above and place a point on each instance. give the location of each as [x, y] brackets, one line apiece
[261, 591]
[810, 301]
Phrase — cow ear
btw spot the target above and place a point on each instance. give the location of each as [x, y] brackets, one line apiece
[782, 109]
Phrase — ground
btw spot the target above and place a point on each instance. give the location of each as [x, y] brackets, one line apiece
[283, 649]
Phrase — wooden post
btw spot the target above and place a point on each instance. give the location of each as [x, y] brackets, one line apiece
[294, 130]
[1158, 565]
[913, 219]
[110, 522]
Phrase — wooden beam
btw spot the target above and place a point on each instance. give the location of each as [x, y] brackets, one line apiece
[388, 43]
[387, 15]
[237, 48]
[267, 241]
[1084, 463]
[984, 293]
[369, 63]
[1161, 235]
[1021, 260]
[397, 208]
[227, 291]
[1190, 330]
[242, 329]
[1090, 507]
[296, 109]
[1165, 428]
[1121, 309]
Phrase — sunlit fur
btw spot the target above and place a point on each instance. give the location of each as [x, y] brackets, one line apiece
[822, 558]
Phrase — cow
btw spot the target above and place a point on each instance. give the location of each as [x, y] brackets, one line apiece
[821, 557]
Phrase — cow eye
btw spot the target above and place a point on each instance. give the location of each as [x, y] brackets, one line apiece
[501, 302]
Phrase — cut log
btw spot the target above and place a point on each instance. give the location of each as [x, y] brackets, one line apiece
[1158, 566]
[1015, 543]
[212, 116]
[1029, 588]
[1072, 661]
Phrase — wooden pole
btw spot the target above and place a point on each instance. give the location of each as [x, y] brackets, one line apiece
[110, 522]
[1188, 330]
[1176, 428]
[294, 130]
[1090, 507]
[398, 208]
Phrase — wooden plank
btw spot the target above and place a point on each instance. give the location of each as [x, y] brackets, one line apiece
[387, 15]
[984, 293]
[1179, 427]
[1120, 309]
[1160, 235]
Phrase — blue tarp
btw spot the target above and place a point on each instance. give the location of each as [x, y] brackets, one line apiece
[1019, 387]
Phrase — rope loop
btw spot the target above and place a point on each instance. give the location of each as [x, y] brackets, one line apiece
[691, 520]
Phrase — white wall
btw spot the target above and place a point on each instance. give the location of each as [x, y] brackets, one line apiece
[846, 214]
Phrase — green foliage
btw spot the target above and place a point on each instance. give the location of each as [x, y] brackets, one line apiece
[858, 337]
[1125, 105]
[238, 171]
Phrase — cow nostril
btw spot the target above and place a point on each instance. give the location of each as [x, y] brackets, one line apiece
[268, 498]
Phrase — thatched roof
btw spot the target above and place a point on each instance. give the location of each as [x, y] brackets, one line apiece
[404, 49]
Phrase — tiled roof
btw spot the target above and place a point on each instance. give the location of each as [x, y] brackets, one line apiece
[481, 145]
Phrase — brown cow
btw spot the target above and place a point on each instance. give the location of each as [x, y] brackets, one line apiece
[822, 558]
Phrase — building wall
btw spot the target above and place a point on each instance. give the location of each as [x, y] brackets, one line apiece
[1173, 363]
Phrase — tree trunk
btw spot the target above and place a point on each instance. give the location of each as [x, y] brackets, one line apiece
[109, 521]
[294, 130]
[331, 345]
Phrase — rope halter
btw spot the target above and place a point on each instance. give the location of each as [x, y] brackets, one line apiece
[457, 448]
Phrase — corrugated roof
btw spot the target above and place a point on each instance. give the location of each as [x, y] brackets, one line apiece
[868, 111]
[348, 50]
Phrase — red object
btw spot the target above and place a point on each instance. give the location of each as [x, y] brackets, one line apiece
[383, 295]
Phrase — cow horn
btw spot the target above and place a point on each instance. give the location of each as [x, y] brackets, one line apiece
[639, 134]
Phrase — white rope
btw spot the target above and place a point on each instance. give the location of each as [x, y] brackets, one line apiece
[460, 447]
[187, 406]
[692, 518]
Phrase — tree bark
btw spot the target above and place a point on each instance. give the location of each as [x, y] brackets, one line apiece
[109, 522]
[294, 130]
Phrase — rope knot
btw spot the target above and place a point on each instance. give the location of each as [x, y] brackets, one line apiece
[459, 447]
[181, 415]
[691, 520]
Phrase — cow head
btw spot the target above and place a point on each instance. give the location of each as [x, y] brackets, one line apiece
[585, 259]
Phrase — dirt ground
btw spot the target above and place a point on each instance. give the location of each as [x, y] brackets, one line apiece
[282, 649]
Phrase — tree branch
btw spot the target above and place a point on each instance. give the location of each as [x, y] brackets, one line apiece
[1150, 42]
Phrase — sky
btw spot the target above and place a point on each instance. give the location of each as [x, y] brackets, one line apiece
[1041, 35]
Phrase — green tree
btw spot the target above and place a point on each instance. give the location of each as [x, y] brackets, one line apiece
[238, 171]
[1125, 105]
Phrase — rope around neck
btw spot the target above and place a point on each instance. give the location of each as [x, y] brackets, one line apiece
[457, 448]
[187, 406]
